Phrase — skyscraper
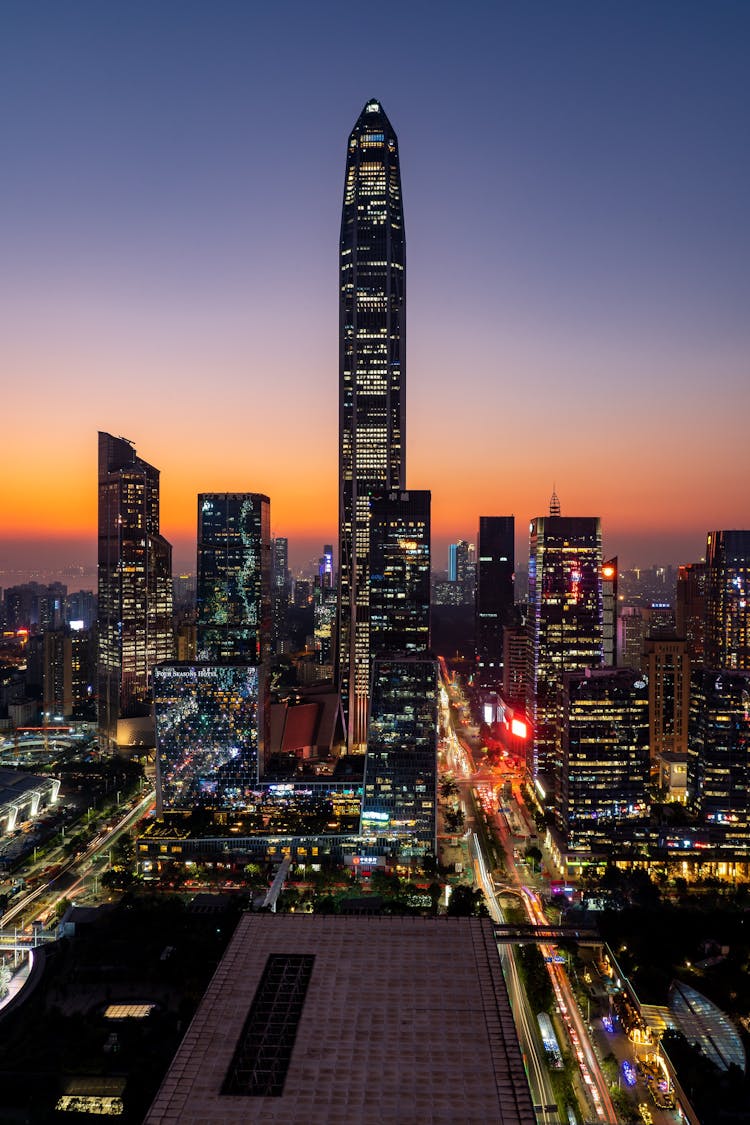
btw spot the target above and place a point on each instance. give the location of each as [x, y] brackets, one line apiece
[565, 622]
[281, 588]
[400, 573]
[372, 406]
[234, 577]
[728, 600]
[134, 615]
[494, 595]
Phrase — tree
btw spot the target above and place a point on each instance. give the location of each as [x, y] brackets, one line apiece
[465, 903]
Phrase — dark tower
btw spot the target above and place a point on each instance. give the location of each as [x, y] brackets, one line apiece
[372, 406]
[494, 595]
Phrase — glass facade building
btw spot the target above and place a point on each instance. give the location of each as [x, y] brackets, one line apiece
[209, 734]
[719, 743]
[565, 624]
[372, 406]
[234, 577]
[400, 790]
[400, 573]
[728, 600]
[134, 605]
[494, 595]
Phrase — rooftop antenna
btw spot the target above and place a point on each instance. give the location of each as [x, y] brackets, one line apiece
[554, 504]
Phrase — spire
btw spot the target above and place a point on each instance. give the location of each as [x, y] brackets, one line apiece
[554, 503]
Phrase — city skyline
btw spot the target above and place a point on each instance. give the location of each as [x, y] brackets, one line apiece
[588, 278]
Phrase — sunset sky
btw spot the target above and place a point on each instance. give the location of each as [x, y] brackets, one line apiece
[576, 179]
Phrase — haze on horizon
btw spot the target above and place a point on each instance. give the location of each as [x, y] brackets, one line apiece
[575, 182]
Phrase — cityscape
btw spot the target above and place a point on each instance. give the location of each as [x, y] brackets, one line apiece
[378, 794]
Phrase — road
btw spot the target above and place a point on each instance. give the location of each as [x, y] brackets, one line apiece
[69, 880]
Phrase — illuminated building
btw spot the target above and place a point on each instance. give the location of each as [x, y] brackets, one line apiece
[234, 577]
[667, 665]
[325, 567]
[494, 595]
[281, 587]
[462, 570]
[728, 600]
[209, 735]
[565, 623]
[631, 635]
[609, 611]
[57, 674]
[324, 627]
[605, 766]
[515, 662]
[134, 607]
[690, 609]
[720, 747]
[399, 573]
[372, 408]
[401, 763]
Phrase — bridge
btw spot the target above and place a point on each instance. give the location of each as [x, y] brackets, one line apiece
[524, 933]
[22, 941]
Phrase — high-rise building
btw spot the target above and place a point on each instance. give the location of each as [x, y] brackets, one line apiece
[372, 371]
[400, 796]
[134, 605]
[632, 624]
[234, 577]
[720, 747]
[281, 590]
[325, 567]
[209, 734]
[609, 611]
[605, 765]
[515, 661]
[57, 674]
[667, 664]
[728, 600]
[462, 571]
[399, 573]
[690, 609]
[565, 623]
[494, 595]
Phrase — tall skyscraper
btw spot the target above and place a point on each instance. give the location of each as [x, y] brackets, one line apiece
[372, 405]
[134, 608]
[234, 577]
[728, 600]
[281, 591]
[609, 611]
[565, 623]
[400, 573]
[720, 748]
[690, 609]
[401, 765]
[494, 595]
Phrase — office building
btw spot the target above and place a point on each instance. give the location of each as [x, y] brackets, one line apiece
[210, 734]
[632, 626]
[720, 748]
[281, 590]
[605, 767]
[494, 596]
[399, 573]
[325, 567]
[80, 607]
[667, 665]
[134, 605]
[234, 577]
[727, 638]
[690, 609]
[57, 675]
[400, 790]
[372, 372]
[462, 571]
[565, 623]
[609, 611]
[313, 1020]
[515, 661]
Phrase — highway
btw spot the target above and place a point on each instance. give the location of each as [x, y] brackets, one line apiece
[69, 879]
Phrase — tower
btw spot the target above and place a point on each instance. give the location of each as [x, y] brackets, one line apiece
[494, 595]
[400, 573]
[565, 622]
[234, 577]
[372, 406]
[727, 637]
[134, 614]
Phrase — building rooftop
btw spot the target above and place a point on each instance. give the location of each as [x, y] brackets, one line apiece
[351, 1021]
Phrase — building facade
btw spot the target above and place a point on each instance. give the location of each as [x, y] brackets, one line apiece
[209, 735]
[372, 372]
[565, 624]
[399, 573]
[605, 769]
[728, 600]
[134, 604]
[400, 789]
[234, 577]
[494, 596]
[720, 748]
